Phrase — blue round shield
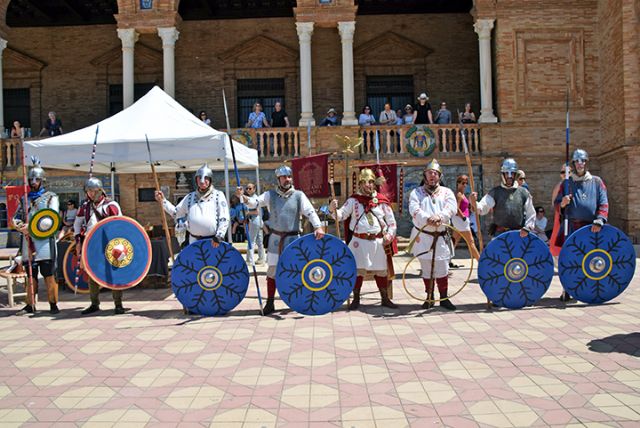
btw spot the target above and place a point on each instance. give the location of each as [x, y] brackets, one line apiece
[596, 267]
[209, 281]
[315, 276]
[72, 272]
[515, 272]
[116, 253]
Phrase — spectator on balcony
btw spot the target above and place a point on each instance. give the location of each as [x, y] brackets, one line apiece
[443, 116]
[408, 115]
[366, 118]
[279, 117]
[17, 131]
[399, 117]
[467, 115]
[203, 117]
[388, 116]
[331, 119]
[53, 126]
[257, 118]
[422, 111]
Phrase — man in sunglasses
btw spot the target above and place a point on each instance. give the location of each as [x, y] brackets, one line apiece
[512, 205]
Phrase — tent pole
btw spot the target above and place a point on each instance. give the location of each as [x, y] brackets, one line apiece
[258, 181]
[113, 181]
[226, 189]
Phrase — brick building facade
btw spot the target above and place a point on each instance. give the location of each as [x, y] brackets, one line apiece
[539, 50]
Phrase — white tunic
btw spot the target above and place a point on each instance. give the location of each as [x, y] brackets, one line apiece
[421, 207]
[206, 216]
[369, 254]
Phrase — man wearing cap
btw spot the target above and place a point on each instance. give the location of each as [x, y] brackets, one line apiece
[286, 206]
[431, 207]
[586, 201]
[205, 209]
[374, 226]
[512, 204]
[42, 252]
[331, 119]
[422, 111]
[96, 208]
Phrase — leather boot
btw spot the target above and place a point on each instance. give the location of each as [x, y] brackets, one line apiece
[447, 304]
[386, 302]
[269, 307]
[383, 285]
[91, 309]
[53, 309]
[119, 310]
[28, 309]
[428, 304]
[355, 303]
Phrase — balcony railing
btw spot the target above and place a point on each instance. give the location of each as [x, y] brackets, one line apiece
[402, 139]
[405, 140]
[10, 153]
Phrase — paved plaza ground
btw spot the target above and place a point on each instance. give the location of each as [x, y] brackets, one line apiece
[551, 364]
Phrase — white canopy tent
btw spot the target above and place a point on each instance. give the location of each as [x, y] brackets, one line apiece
[179, 141]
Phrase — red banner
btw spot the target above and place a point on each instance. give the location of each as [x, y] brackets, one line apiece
[390, 172]
[14, 195]
[311, 176]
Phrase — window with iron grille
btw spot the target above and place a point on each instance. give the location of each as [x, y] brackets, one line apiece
[17, 106]
[264, 91]
[397, 90]
[115, 95]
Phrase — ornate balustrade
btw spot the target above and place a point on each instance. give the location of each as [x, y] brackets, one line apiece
[10, 153]
[409, 138]
[270, 142]
[406, 140]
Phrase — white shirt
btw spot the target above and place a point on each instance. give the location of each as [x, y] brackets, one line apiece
[208, 216]
[422, 206]
[383, 221]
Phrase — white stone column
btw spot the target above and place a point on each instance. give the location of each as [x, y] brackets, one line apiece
[305, 30]
[169, 37]
[346, 30]
[3, 45]
[129, 37]
[483, 27]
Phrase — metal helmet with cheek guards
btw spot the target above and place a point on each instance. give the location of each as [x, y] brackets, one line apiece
[580, 154]
[283, 170]
[366, 175]
[509, 165]
[435, 166]
[204, 172]
[93, 183]
[36, 171]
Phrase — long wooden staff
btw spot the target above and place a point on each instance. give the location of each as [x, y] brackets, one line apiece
[467, 158]
[165, 226]
[472, 185]
[333, 195]
[25, 211]
[91, 163]
[246, 225]
[567, 174]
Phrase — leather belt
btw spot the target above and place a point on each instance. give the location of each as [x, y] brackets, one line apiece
[434, 234]
[368, 236]
[282, 236]
[202, 237]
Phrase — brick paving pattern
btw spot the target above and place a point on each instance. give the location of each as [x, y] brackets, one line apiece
[551, 364]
